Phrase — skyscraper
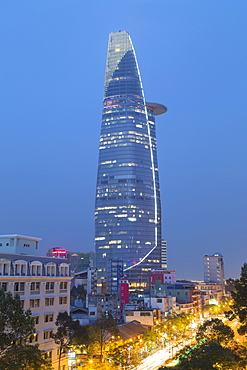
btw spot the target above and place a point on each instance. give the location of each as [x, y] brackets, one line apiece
[127, 207]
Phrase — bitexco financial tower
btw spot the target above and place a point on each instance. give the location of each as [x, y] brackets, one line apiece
[127, 207]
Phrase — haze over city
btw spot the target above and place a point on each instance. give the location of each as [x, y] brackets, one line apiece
[192, 57]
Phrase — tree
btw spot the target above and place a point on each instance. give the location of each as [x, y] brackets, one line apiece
[125, 356]
[63, 336]
[78, 292]
[238, 309]
[91, 339]
[215, 350]
[106, 328]
[215, 330]
[27, 357]
[209, 356]
[150, 339]
[86, 339]
[16, 328]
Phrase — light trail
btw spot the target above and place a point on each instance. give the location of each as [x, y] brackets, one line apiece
[156, 360]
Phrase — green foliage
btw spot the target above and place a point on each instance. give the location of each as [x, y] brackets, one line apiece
[26, 357]
[176, 325]
[211, 355]
[150, 338]
[91, 339]
[125, 356]
[66, 328]
[14, 321]
[78, 292]
[238, 309]
[16, 326]
[215, 330]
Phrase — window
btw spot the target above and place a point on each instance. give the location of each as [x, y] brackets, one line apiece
[48, 318]
[19, 287]
[145, 314]
[92, 313]
[49, 301]
[33, 338]
[49, 285]
[62, 300]
[34, 303]
[63, 285]
[48, 334]
[35, 286]
[159, 300]
[36, 319]
[48, 355]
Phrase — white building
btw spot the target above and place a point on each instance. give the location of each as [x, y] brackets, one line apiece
[145, 316]
[19, 244]
[166, 305]
[214, 269]
[43, 284]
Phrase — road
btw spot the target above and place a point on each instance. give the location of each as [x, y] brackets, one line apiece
[156, 360]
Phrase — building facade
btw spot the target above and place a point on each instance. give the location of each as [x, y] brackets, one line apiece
[19, 244]
[114, 274]
[101, 305]
[214, 269]
[127, 207]
[163, 254]
[43, 284]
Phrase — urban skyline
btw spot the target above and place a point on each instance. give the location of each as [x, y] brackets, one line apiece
[192, 58]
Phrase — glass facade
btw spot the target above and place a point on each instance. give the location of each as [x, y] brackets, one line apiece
[127, 207]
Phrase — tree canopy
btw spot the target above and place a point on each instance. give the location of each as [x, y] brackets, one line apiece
[238, 308]
[66, 328]
[16, 328]
[215, 330]
[210, 356]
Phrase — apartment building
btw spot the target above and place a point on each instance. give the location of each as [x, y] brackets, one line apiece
[43, 284]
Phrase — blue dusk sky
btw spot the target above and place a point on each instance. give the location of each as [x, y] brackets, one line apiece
[192, 56]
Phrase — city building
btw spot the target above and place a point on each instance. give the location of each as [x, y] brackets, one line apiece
[43, 284]
[211, 293]
[162, 277]
[123, 291]
[184, 292]
[19, 244]
[166, 305]
[145, 316]
[127, 206]
[132, 331]
[114, 274]
[214, 269]
[163, 254]
[78, 261]
[87, 278]
[100, 305]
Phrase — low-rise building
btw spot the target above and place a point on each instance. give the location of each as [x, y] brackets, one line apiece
[166, 305]
[100, 305]
[145, 316]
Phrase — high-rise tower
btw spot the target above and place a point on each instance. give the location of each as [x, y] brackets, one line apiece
[214, 269]
[127, 208]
